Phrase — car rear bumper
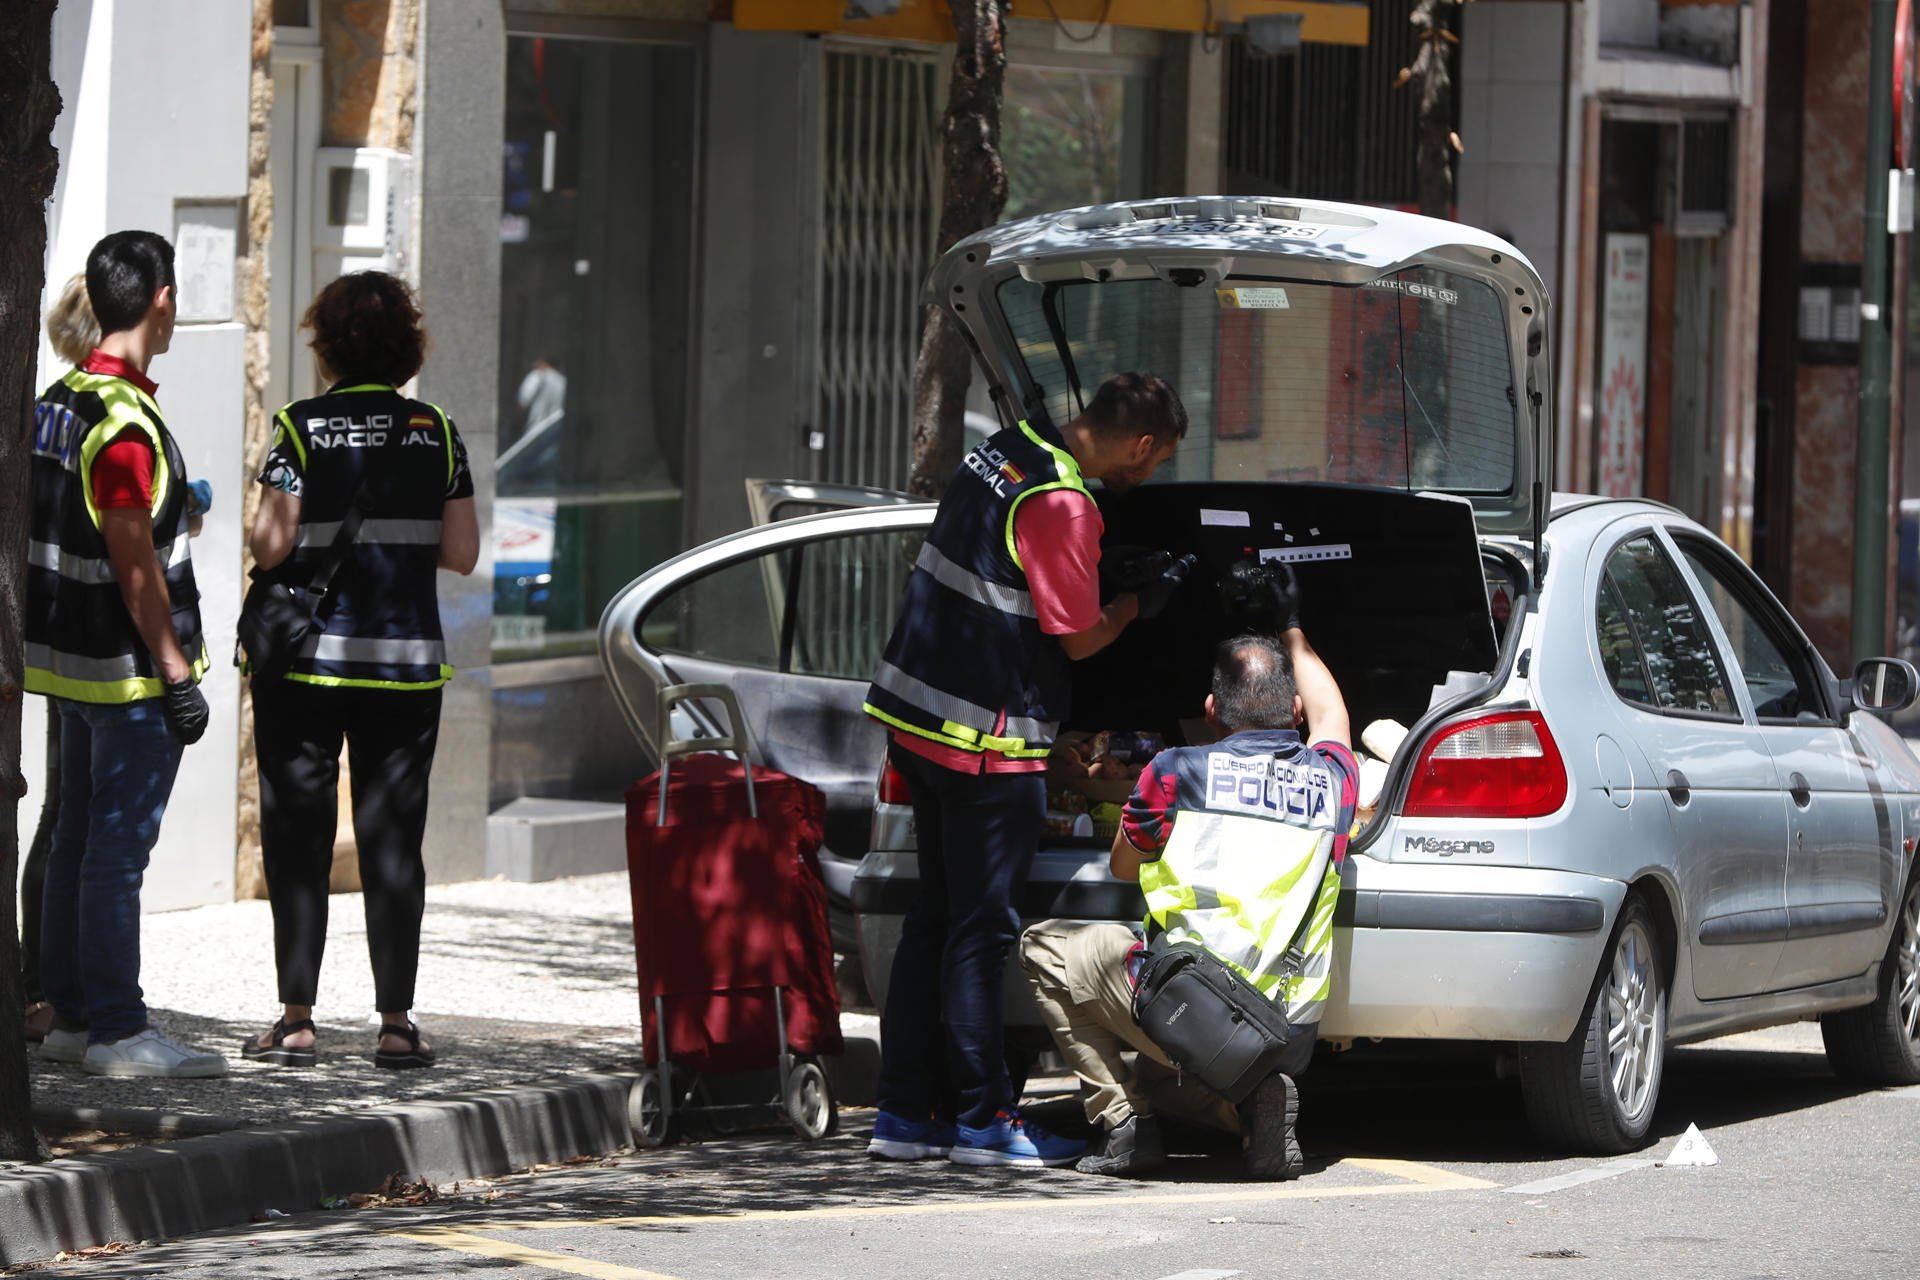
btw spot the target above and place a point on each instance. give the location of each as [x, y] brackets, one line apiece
[1420, 951]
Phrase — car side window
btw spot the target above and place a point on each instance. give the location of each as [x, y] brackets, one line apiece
[1781, 688]
[1645, 612]
[822, 608]
[728, 615]
[848, 594]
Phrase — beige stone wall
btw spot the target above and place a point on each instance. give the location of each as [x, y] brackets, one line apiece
[248, 880]
[369, 72]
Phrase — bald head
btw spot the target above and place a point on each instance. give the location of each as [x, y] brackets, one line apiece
[1252, 685]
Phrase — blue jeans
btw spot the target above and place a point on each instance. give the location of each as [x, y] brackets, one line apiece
[117, 765]
[978, 836]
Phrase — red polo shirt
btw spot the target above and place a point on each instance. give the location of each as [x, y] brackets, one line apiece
[123, 471]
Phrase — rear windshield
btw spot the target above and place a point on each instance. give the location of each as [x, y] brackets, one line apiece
[1404, 382]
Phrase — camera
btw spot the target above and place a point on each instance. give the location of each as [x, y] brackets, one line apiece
[1260, 598]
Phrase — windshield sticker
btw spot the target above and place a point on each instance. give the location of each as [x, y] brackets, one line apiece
[1415, 289]
[1253, 299]
[1307, 555]
[1229, 519]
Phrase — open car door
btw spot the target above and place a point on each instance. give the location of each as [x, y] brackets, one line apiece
[792, 616]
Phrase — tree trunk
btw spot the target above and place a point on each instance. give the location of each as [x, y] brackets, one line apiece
[1433, 79]
[28, 104]
[974, 193]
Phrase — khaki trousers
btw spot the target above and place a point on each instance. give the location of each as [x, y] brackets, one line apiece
[1078, 972]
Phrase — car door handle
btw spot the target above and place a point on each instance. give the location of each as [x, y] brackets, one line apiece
[1678, 787]
[1797, 788]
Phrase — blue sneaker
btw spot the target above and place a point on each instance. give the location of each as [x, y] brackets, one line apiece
[1010, 1140]
[896, 1138]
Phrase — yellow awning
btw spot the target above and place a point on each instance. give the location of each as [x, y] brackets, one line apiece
[931, 22]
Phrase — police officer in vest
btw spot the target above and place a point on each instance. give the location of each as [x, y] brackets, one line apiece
[1238, 847]
[113, 639]
[374, 672]
[972, 687]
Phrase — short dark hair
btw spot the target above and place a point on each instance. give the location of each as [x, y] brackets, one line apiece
[1253, 684]
[366, 328]
[124, 271]
[1138, 404]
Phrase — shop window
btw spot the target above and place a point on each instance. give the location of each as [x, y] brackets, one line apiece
[596, 247]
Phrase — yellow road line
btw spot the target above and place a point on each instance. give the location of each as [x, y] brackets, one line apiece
[1413, 1178]
[465, 1242]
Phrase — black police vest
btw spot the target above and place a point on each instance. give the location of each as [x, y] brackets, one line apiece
[968, 647]
[381, 618]
[80, 640]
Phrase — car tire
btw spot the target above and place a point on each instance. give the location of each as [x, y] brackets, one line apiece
[1597, 1090]
[1879, 1043]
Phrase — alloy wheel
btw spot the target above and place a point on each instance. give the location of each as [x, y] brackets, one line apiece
[1632, 1023]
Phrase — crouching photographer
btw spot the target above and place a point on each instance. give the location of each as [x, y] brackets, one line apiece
[1237, 846]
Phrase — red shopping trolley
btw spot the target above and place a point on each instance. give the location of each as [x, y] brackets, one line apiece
[730, 937]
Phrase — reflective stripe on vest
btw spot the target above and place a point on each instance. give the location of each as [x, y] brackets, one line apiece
[1242, 870]
[94, 570]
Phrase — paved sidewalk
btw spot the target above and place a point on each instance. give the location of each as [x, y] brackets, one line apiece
[526, 991]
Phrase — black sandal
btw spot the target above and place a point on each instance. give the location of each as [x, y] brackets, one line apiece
[415, 1056]
[276, 1050]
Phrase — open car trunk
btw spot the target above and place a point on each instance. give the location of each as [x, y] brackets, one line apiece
[1394, 591]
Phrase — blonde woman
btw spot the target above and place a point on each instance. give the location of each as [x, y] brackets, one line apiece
[74, 333]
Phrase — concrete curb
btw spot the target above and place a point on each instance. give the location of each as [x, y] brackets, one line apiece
[197, 1184]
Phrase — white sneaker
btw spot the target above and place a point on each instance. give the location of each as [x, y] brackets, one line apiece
[63, 1046]
[149, 1052]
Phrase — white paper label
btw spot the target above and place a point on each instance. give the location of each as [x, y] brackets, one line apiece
[1229, 519]
[1254, 299]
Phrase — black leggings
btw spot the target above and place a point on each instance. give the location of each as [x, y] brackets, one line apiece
[390, 736]
[33, 874]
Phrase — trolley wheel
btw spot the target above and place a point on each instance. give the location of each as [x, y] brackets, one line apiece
[809, 1100]
[647, 1111]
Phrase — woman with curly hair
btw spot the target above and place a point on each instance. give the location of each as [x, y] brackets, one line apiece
[379, 482]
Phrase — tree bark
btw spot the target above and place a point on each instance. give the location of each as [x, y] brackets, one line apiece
[28, 104]
[974, 193]
[1433, 79]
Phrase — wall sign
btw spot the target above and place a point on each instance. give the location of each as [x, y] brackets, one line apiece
[1623, 366]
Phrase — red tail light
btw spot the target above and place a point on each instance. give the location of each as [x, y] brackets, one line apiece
[893, 787]
[1497, 766]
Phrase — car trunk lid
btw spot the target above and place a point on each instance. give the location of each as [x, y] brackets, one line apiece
[1310, 341]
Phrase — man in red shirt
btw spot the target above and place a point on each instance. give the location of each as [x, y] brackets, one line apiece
[113, 638]
[973, 685]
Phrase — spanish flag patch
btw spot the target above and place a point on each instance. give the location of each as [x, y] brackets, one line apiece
[1011, 472]
[422, 420]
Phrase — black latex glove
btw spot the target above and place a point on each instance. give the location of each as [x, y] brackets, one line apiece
[1124, 568]
[1286, 596]
[1155, 594]
[186, 709]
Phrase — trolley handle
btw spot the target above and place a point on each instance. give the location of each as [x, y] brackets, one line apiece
[737, 740]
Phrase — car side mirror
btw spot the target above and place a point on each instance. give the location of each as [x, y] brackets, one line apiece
[1884, 684]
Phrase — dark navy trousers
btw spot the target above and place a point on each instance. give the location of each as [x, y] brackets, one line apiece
[941, 1046]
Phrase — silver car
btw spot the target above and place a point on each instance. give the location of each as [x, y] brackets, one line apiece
[1632, 806]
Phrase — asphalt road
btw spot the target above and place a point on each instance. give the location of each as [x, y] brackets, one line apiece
[1422, 1170]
